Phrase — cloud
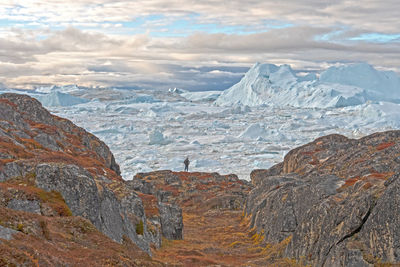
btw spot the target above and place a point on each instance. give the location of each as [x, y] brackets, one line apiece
[190, 44]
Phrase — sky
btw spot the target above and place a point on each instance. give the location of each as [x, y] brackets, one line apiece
[194, 45]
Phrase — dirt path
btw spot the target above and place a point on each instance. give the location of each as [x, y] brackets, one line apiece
[215, 232]
[219, 238]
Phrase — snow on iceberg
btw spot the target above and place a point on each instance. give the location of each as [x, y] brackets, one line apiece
[203, 96]
[156, 137]
[253, 131]
[383, 115]
[177, 90]
[54, 88]
[259, 132]
[349, 85]
[380, 85]
[57, 98]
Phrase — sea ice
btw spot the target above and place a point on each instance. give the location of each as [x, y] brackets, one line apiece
[159, 129]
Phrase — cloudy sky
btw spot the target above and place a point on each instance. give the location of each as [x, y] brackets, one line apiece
[196, 45]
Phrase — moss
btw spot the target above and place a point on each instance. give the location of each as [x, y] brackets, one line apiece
[56, 201]
[6, 262]
[152, 229]
[258, 237]
[20, 227]
[140, 228]
[28, 180]
[235, 244]
[87, 227]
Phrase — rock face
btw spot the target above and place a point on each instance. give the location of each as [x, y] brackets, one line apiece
[46, 152]
[334, 201]
[171, 220]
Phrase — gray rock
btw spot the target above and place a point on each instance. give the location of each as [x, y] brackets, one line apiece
[32, 206]
[47, 141]
[6, 233]
[140, 185]
[10, 170]
[163, 196]
[95, 202]
[342, 256]
[15, 169]
[171, 179]
[382, 229]
[171, 220]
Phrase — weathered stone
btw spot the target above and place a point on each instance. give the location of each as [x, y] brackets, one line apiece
[94, 202]
[47, 141]
[32, 206]
[171, 220]
[6, 233]
[10, 170]
[140, 185]
[382, 229]
[163, 196]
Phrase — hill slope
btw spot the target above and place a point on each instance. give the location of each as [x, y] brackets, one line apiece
[61, 184]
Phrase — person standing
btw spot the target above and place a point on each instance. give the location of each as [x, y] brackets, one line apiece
[186, 162]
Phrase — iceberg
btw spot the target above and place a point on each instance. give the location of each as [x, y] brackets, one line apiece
[279, 86]
[156, 137]
[57, 98]
[55, 88]
[203, 96]
[379, 85]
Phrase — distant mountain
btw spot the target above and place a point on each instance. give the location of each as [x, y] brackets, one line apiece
[346, 85]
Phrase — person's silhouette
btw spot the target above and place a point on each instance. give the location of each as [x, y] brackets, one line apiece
[186, 162]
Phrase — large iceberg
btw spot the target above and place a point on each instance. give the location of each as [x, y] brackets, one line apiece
[56, 98]
[347, 85]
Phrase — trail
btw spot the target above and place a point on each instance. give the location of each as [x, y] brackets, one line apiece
[215, 233]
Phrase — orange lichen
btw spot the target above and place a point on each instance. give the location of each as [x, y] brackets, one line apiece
[31, 144]
[385, 145]
[7, 102]
[350, 182]
[367, 186]
[150, 205]
[314, 161]
[307, 153]
[381, 176]
[49, 129]
[17, 151]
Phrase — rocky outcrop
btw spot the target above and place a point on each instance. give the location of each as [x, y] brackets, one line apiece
[46, 152]
[94, 201]
[334, 201]
[32, 206]
[24, 120]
